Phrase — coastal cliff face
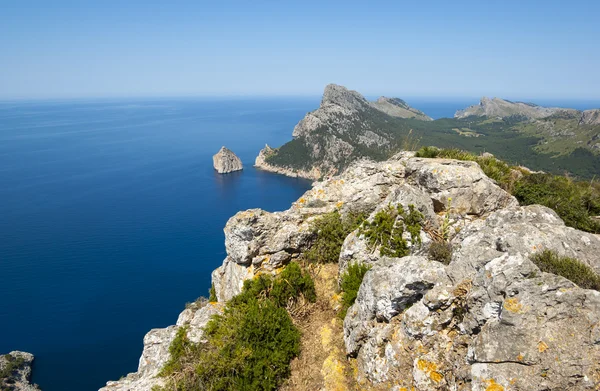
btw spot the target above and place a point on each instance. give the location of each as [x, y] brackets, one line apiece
[15, 372]
[344, 128]
[488, 318]
[225, 161]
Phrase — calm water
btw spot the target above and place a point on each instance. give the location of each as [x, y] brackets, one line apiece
[111, 219]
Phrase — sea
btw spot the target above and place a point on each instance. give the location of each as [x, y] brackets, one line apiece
[112, 216]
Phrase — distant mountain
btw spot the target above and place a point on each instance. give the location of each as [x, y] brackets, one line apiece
[347, 127]
[396, 107]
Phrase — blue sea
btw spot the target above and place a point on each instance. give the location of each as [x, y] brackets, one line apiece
[111, 218]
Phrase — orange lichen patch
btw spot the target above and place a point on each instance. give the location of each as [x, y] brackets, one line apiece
[342, 182]
[430, 369]
[493, 386]
[339, 204]
[542, 346]
[520, 357]
[513, 305]
[301, 200]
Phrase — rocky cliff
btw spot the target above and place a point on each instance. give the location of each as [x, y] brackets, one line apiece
[590, 117]
[344, 128]
[225, 161]
[490, 319]
[15, 372]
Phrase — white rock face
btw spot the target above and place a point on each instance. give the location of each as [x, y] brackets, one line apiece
[226, 161]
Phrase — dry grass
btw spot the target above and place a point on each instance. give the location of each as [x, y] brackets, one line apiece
[322, 364]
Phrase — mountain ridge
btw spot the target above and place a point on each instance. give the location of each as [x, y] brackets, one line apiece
[347, 127]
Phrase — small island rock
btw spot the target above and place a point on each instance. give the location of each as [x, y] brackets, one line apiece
[226, 161]
[15, 371]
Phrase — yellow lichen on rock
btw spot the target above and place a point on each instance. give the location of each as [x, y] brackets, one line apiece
[542, 347]
[493, 386]
[431, 369]
[513, 305]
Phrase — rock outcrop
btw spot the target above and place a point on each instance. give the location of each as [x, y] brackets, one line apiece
[590, 117]
[156, 348]
[488, 320]
[15, 371]
[225, 161]
[502, 108]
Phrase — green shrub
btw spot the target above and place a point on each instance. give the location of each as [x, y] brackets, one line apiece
[12, 364]
[351, 280]
[570, 268]
[572, 201]
[441, 252]
[330, 230]
[283, 289]
[387, 229]
[249, 347]
[212, 294]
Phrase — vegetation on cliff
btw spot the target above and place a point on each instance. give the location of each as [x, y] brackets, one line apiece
[387, 229]
[248, 347]
[576, 202]
[330, 230]
[550, 262]
[350, 283]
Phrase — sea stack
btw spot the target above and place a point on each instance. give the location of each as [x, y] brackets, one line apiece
[15, 371]
[226, 161]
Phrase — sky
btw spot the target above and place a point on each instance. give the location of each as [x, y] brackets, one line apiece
[514, 49]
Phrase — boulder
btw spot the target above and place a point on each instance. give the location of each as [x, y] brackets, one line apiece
[461, 185]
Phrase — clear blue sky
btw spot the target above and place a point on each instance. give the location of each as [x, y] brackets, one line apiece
[529, 49]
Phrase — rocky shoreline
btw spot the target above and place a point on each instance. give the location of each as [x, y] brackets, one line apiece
[261, 163]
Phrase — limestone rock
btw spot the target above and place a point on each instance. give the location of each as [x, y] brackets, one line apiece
[590, 117]
[19, 377]
[226, 161]
[156, 348]
[461, 185]
[489, 319]
[391, 286]
[501, 108]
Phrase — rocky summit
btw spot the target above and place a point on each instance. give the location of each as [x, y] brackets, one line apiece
[486, 318]
[15, 372]
[501, 108]
[344, 128]
[225, 161]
